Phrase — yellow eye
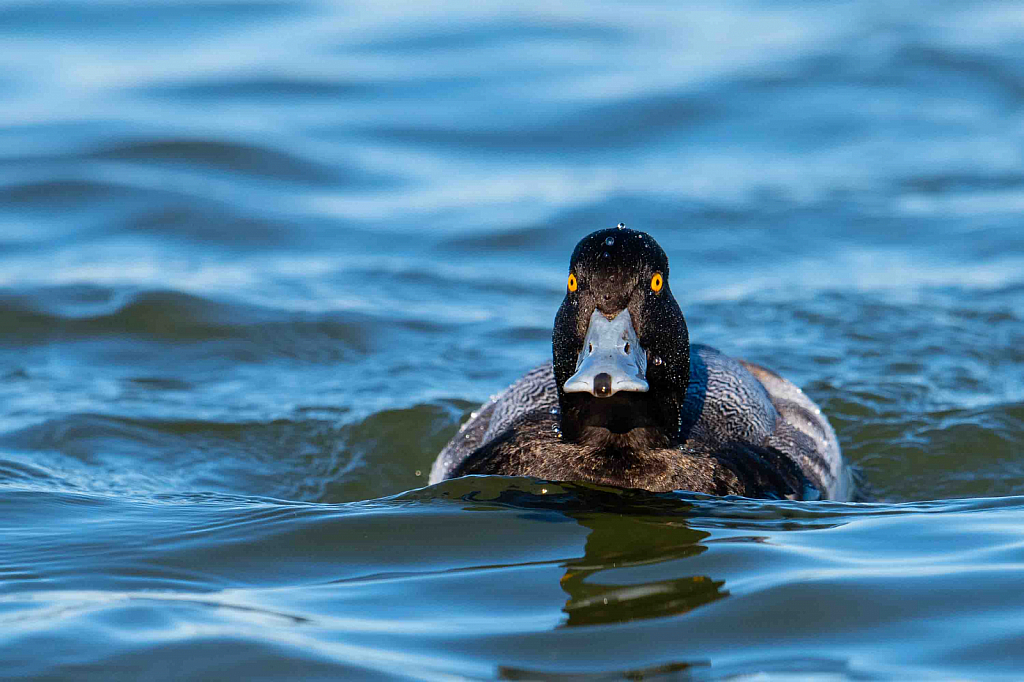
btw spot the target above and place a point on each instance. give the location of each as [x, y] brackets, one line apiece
[657, 282]
[573, 283]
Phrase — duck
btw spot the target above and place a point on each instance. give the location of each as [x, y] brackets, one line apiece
[627, 401]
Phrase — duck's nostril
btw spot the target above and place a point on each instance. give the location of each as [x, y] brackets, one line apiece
[626, 349]
[603, 384]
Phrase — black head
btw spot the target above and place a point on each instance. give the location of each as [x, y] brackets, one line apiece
[619, 297]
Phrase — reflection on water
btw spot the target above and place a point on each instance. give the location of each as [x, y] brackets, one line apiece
[651, 672]
[598, 583]
[627, 530]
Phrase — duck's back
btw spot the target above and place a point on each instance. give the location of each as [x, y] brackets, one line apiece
[728, 402]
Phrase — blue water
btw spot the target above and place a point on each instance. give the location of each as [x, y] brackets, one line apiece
[259, 260]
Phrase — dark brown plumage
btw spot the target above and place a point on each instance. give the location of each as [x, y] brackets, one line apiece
[705, 422]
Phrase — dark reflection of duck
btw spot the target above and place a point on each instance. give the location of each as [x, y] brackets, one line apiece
[629, 402]
[629, 530]
[634, 564]
[598, 593]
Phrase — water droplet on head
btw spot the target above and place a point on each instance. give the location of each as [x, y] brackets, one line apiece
[621, 226]
[657, 360]
[606, 254]
[610, 241]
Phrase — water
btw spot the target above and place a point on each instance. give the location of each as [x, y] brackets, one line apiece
[258, 261]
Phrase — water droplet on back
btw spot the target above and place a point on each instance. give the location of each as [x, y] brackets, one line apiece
[609, 241]
[621, 226]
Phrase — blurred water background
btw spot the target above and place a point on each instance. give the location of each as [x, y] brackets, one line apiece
[259, 259]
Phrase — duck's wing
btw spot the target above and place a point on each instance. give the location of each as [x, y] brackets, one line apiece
[804, 432]
[535, 391]
[732, 401]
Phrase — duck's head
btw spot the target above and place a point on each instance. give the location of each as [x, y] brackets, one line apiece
[620, 345]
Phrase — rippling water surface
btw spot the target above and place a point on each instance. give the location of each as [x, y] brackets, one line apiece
[259, 259]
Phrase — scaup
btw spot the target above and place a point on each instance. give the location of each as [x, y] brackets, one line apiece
[629, 402]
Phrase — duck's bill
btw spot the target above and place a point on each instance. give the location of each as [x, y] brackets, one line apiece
[611, 360]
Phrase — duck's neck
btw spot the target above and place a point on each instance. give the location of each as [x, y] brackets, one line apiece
[623, 424]
[628, 445]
